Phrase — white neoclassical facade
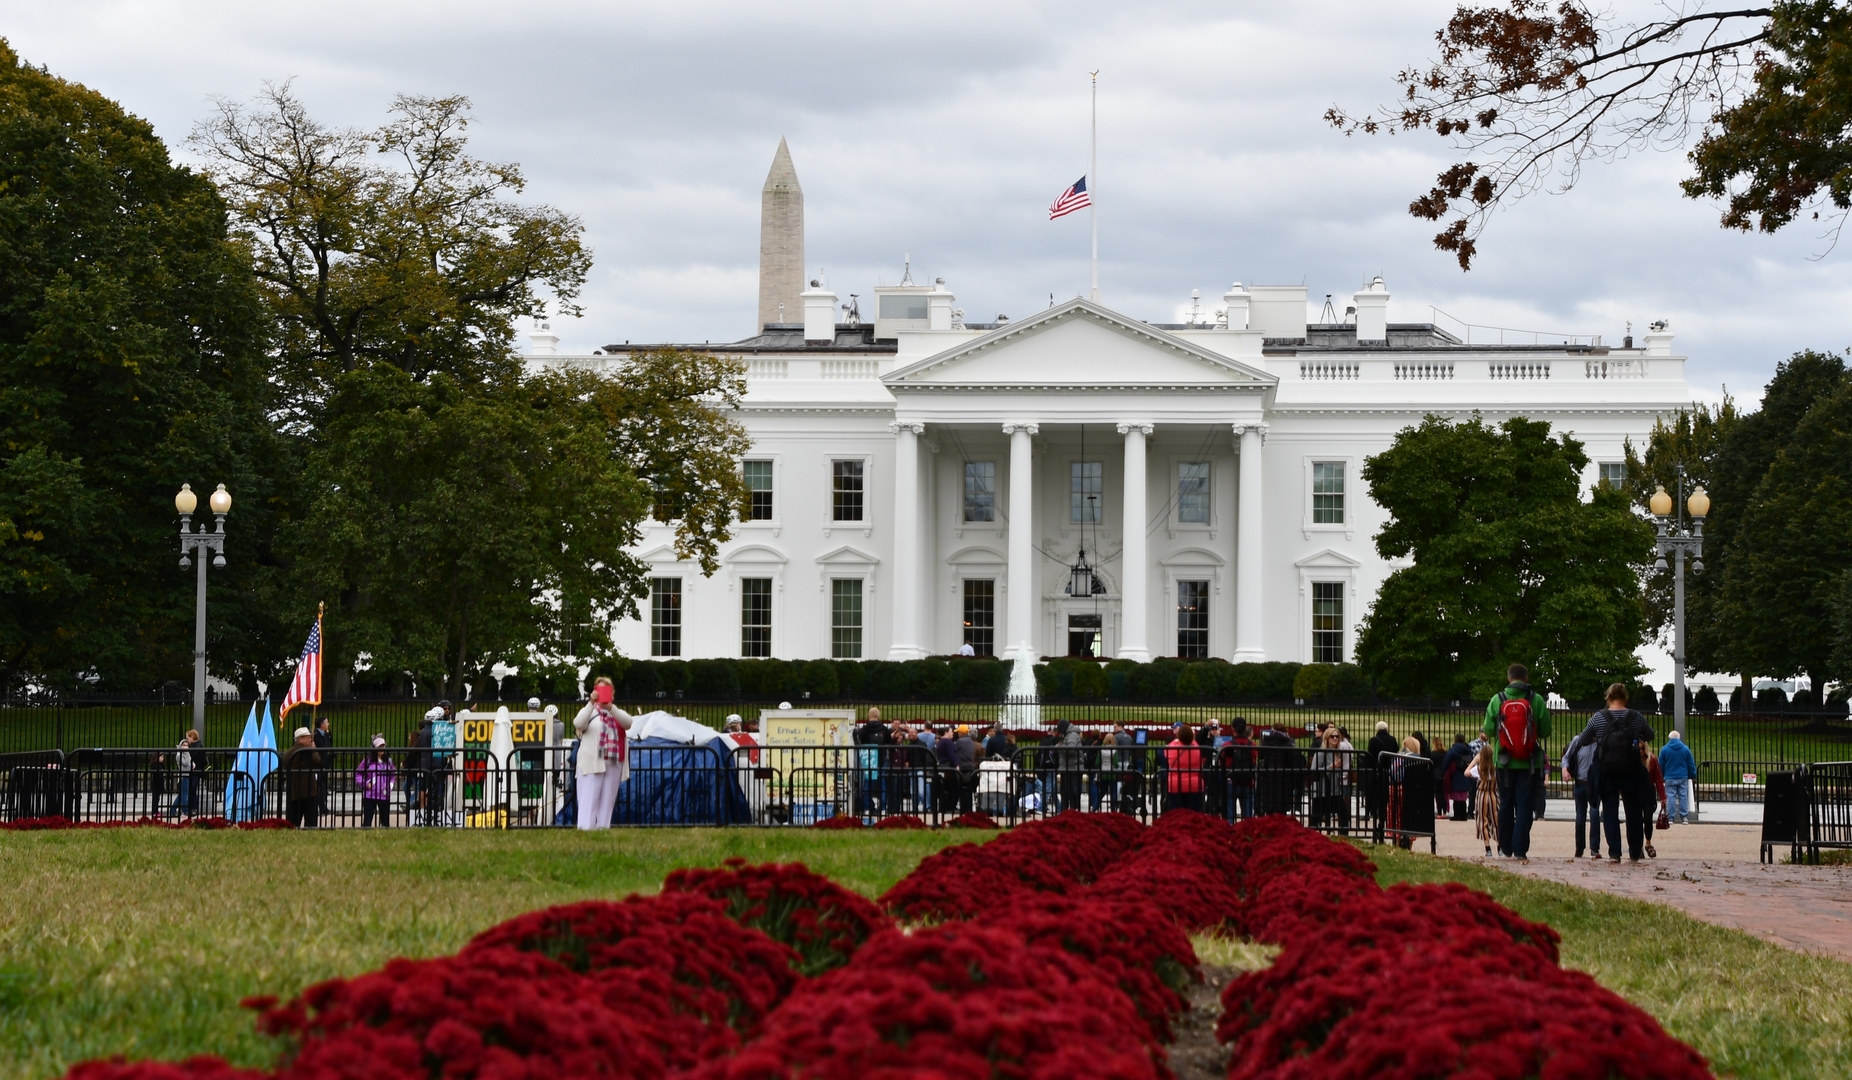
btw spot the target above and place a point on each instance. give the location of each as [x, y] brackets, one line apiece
[1085, 482]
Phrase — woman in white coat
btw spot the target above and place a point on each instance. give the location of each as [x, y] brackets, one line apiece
[604, 758]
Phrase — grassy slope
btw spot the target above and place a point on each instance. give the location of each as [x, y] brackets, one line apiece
[141, 942]
[1754, 1009]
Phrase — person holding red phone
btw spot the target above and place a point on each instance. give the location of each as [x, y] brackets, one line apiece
[604, 759]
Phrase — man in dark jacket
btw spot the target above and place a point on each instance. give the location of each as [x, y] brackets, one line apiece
[301, 769]
[1620, 737]
[1376, 776]
[324, 742]
[1517, 775]
[1282, 774]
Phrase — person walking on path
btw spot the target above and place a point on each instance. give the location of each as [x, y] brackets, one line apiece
[374, 778]
[1376, 776]
[1518, 722]
[186, 801]
[1454, 778]
[1485, 817]
[1579, 770]
[1680, 769]
[604, 757]
[1658, 781]
[1619, 735]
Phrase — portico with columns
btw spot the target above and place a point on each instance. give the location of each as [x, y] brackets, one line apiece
[1079, 441]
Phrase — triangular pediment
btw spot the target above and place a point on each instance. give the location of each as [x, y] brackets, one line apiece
[1328, 560]
[1077, 344]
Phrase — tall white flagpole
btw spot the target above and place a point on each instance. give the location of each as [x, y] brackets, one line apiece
[1093, 189]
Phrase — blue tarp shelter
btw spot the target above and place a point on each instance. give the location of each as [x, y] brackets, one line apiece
[681, 783]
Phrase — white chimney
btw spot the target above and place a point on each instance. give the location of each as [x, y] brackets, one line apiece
[939, 306]
[1237, 300]
[543, 341]
[1278, 311]
[1373, 314]
[1658, 339]
[819, 314]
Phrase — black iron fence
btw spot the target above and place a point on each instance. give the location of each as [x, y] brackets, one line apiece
[1807, 809]
[1337, 791]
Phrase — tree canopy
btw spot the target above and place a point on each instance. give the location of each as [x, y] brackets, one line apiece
[131, 359]
[1529, 91]
[1510, 564]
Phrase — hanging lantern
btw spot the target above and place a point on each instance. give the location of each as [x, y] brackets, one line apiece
[1080, 576]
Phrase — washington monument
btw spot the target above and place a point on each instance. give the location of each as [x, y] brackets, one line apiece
[781, 243]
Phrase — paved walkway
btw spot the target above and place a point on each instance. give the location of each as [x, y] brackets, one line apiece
[1710, 872]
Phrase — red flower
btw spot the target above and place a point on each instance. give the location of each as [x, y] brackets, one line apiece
[824, 922]
[973, 821]
[203, 1067]
[900, 821]
[839, 822]
[1129, 942]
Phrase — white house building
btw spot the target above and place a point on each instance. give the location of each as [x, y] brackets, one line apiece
[1083, 481]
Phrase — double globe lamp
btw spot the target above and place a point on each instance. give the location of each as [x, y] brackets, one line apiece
[195, 544]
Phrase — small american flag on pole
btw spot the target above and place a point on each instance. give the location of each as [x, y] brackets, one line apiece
[306, 688]
[1074, 198]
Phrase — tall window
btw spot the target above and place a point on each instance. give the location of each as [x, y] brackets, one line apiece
[1084, 487]
[1193, 492]
[1193, 620]
[1327, 622]
[758, 476]
[980, 491]
[1614, 473]
[665, 616]
[659, 506]
[846, 618]
[848, 490]
[756, 616]
[981, 616]
[1327, 493]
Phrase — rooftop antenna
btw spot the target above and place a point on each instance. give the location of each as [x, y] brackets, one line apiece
[1051, 299]
[1330, 314]
[906, 273]
[1196, 308]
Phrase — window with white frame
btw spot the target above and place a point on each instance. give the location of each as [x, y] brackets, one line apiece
[1086, 482]
[1327, 622]
[1193, 492]
[756, 616]
[981, 615]
[758, 477]
[980, 491]
[1614, 474]
[846, 618]
[1327, 493]
[665, 616]
[846, 492]
[1192, 620]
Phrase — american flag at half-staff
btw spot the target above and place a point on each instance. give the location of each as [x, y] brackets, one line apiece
[1074, 198]
[306, 687]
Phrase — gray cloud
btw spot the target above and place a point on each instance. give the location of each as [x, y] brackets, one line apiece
[946, 131]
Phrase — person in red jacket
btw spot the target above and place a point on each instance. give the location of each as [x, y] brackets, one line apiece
[1658, 778]
[1183, 765]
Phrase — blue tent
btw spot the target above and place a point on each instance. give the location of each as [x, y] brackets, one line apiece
[679, 783]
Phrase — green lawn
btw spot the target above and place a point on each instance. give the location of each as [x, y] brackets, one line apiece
[141, 942]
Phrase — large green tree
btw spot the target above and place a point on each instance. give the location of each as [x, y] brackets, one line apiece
[454, 509]
[131, 360]
[1510, 564]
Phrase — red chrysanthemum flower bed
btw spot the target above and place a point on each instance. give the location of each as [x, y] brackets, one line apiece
[824, 922]
[958, 1000]
[900, 821]
[1075, 964]
[42, 824]
[973, 821]
[841, 821]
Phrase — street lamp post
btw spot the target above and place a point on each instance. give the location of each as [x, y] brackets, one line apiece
[1675, 539]
[197, 544]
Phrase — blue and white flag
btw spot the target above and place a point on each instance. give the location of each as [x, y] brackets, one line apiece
[256, 759]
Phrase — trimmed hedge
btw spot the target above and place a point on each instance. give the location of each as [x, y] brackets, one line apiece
[1075, 679]
[955, 678]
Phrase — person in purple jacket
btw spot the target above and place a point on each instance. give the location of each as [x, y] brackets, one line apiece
[374, 778]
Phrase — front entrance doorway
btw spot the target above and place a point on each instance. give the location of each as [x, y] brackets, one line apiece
[1084, 632]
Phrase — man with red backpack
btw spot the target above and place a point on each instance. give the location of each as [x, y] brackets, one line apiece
[1517, 722]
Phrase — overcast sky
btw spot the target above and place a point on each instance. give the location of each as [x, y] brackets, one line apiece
[947, 129]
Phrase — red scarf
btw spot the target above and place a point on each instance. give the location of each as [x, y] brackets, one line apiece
[613, 747]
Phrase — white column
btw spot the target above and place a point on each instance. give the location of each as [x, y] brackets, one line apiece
[905, 644]
[1248, 624]
[1135, 616]
[1019, 621]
